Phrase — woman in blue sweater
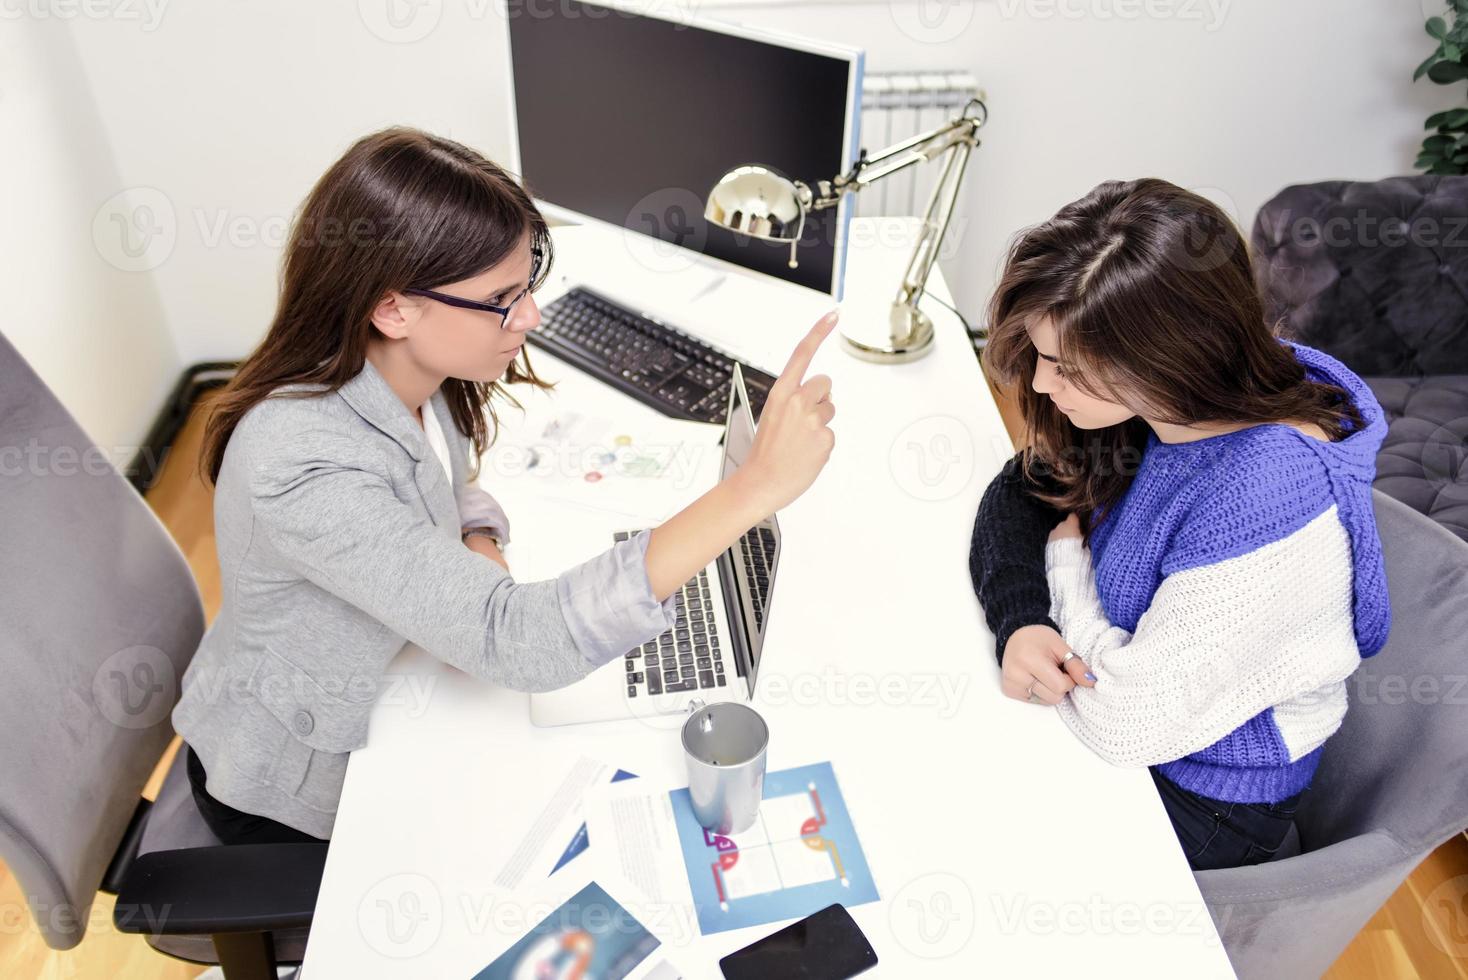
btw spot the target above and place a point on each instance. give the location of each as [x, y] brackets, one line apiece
[1183, 560]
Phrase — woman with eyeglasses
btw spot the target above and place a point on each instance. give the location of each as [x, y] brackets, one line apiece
[344, 453]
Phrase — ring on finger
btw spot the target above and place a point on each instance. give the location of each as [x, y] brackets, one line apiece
[1069, 656]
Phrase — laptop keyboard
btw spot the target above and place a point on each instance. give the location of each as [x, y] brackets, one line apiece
[686, 657]
[759, 562]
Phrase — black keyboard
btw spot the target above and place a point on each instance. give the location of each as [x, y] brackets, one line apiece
[658, 365]
[686, 657]
[758, 547]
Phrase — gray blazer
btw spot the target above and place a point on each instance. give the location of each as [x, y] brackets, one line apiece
[339, 541]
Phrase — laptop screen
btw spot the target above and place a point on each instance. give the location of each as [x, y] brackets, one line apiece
[750, 564]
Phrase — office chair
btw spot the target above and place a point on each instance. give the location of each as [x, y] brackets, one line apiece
[1390, 787]
[100, 617]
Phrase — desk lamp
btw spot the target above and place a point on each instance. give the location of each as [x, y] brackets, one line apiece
[761, 202]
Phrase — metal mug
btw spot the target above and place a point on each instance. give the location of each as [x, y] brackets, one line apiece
[725, 744]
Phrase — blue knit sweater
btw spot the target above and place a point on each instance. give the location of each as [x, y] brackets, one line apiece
[1226, 599]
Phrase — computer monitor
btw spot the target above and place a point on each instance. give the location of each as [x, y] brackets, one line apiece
[631, 119]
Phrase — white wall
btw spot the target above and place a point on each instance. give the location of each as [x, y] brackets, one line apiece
[92, 330]
[1232, 98]
[231, 110]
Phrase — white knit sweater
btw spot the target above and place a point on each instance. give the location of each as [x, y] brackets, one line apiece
[1219, 645]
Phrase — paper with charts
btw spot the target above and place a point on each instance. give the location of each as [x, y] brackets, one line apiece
[801, 855]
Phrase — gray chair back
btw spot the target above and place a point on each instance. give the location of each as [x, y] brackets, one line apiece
[99, 616]
[1392, 783]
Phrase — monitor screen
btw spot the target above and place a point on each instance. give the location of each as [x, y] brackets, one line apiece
[632, 120]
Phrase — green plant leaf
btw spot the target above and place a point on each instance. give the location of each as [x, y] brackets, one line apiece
[1447, 72]
[1437, 27]
[1422, 68]
[1456, 119]
[1438, 144]
[1451, 51]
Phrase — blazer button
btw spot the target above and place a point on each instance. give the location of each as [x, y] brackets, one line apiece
[304, 722]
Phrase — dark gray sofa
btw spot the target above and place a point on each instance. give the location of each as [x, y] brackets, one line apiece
[1376, 274]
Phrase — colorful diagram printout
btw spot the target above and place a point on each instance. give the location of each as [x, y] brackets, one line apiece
[801, 855]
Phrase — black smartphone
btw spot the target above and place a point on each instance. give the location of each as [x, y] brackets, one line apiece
[824, 946]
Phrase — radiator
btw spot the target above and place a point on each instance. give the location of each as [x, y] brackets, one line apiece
[894, 106]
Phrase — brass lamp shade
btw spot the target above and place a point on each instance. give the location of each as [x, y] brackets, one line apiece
[759, 202]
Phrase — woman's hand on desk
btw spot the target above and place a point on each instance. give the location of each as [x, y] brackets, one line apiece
[790, 449]
[1035, 664]
[1039, 665]
[794, 439]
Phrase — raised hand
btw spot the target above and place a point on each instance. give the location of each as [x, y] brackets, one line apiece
[794, 439]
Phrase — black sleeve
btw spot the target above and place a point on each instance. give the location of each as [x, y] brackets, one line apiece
[1007, 557]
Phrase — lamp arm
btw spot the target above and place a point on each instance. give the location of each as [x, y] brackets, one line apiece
[921, 148]
[935, 225]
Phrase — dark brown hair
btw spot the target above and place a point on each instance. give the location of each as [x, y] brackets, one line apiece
[402, 208]
[1150, 292]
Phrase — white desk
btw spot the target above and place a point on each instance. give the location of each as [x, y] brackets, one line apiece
[1000, 845]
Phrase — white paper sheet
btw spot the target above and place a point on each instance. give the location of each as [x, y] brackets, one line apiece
[643, 472]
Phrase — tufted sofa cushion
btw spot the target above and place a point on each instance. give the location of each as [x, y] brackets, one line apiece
[1376, 273]
[1424, 460]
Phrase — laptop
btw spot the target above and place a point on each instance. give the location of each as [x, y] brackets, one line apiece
[712, 653]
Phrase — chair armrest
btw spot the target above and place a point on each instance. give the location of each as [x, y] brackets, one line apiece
[225, 888]
[127, 849]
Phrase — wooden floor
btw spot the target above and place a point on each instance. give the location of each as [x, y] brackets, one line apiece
[1409, 938]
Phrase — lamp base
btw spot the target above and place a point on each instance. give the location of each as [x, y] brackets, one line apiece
[909, 337]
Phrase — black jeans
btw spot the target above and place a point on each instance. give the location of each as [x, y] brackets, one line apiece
[233, 826]
[1219, 834]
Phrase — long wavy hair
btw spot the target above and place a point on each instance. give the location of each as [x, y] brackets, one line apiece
[402, 208]
[1154, 304]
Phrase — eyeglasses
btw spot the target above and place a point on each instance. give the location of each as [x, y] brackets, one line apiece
[470, 304]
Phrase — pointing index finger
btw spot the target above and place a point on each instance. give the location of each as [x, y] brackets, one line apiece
[804, 351]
